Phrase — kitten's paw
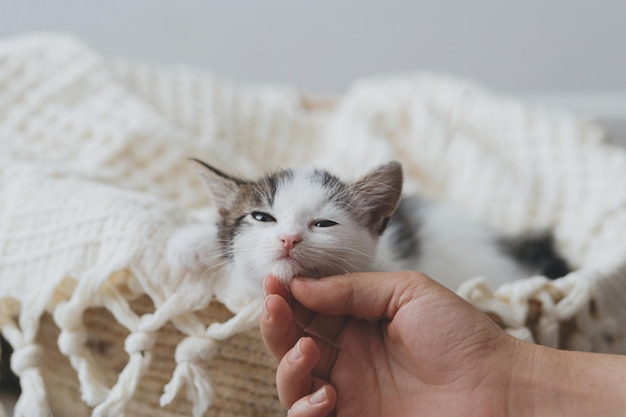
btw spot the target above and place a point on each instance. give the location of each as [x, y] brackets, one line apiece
[193, 247]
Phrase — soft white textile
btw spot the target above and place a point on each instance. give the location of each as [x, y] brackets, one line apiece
[94, 178]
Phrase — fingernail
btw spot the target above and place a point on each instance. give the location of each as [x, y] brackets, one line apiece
[319, 396]
[296, 352]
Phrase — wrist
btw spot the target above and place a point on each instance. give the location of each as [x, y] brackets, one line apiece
[523, 397]
[551, 382]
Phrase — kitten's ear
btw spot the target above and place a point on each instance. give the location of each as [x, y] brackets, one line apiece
[224, 187]
[376, 196]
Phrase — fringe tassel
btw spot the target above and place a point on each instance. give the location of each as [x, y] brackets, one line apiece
[72, 343]
[33, 401]
[138, 346]
[193, 352]
[191, 355]
[245, 319]
[92, 387]
[26, 356]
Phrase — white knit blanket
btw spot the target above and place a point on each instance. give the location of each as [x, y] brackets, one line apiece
[94, 179]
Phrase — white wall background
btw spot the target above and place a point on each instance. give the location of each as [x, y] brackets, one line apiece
[321, 45]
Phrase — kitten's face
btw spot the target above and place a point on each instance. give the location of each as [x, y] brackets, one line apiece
[303, 222]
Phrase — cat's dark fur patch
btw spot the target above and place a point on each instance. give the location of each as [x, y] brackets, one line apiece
[329, 181]
[404, 228]
[266, 187]
[253, 195]
[338, 191]
[413, 228]
[536, 251]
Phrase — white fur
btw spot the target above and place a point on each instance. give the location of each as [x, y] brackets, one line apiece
[454, 248]
[298, 204]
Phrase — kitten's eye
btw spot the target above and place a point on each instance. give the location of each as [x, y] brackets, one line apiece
[262, 217]
[325, 223]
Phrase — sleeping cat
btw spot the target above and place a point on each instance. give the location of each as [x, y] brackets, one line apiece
[307, 222]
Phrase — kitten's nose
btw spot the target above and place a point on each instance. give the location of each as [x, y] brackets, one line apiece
[289, 241]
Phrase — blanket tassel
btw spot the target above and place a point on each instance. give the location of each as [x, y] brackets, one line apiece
[33, 401]
[191, 355]
[138, 346]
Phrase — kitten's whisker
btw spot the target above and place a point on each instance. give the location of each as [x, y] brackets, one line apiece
[321, 258]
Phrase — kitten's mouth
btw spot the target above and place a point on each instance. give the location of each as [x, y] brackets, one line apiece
[288, 258]
[288, 255]
[298, 268]
[290, 264]
[295, 261]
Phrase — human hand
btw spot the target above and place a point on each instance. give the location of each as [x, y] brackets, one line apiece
[384, 344]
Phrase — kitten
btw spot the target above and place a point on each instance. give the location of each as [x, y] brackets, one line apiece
[307, 222]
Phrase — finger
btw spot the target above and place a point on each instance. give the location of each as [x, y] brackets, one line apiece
[278, 330]
[327, 357]
[280, 333]
[366, 294]
[324, 327]
[293, 376]
[319, 404]
[326, 331]
[272, 285]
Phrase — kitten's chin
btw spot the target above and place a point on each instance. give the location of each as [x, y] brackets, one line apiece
[287, 269]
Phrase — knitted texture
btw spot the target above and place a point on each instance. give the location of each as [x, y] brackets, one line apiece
[94, 180]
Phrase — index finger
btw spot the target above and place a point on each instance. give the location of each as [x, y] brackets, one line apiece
[371, 295]
[278, 329]
[272, 285]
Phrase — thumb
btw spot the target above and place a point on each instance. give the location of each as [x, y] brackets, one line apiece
[365, 294]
